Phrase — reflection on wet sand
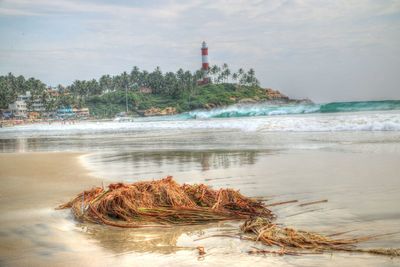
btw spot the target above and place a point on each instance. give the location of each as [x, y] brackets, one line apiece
[142, 163]
[156, 240]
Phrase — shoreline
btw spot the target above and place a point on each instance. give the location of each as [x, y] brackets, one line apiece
[159, 113]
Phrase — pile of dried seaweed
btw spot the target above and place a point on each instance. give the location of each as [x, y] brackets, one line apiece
[162, 202]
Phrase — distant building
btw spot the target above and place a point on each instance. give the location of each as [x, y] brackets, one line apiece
[53, 92]
[145, 90]
[68, 112]
[81, 112]
[18, 109]
[37, 106]
[65, 112]
[33, 115]
[5, 114]
[24, 97]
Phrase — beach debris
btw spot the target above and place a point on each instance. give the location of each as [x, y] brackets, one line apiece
[201, 251]
[280, 252]
[296, 242]
[313, 202]
[303, 212]
[162, 203]
[281, 203]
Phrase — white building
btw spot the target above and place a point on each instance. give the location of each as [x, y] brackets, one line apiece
[18, 108]
[24, 97]
[38, 106]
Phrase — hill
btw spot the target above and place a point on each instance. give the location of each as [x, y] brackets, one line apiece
[201, 97]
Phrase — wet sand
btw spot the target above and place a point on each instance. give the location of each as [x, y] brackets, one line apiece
[35, 180]
[33, 233]
[32, 185]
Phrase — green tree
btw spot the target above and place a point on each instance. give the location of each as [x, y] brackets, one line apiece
[226, 72]
[135, 76]
[105, 83]
[234, 77]
[214, 71]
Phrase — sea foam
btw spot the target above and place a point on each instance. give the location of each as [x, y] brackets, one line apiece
[360, 121]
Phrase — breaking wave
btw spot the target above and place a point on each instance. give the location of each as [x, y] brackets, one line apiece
[271, 109]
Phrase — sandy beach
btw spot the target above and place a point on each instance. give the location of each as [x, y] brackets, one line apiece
[34, 233]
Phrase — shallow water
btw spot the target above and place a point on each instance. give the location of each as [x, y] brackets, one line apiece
[357, 170]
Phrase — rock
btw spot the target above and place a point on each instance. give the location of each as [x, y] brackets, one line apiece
[160, 112]
[305, 101]
[275, 94]
[210, 106]
[247, 101]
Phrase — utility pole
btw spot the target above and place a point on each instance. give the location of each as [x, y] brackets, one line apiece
[126, 98]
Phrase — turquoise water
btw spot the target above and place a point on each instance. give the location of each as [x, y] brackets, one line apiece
[287, 109]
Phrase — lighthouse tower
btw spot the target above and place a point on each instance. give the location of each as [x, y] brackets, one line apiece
[204, 56]
[204, 64]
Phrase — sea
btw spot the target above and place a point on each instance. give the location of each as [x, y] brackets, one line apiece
[347, 153]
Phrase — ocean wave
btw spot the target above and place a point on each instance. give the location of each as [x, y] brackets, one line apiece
[334, 122]
[266, 109]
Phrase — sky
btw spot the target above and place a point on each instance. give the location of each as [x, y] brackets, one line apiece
[338, 50]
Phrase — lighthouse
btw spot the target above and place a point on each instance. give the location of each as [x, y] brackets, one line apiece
[204, 56]
[204, 64]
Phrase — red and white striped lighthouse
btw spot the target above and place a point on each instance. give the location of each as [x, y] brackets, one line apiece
[204, 65]
[204, 56]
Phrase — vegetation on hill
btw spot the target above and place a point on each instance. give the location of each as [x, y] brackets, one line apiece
[201, 97]
[109, 95]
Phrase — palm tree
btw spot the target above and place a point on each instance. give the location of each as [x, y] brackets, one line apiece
[170, 83]
[144, 78]
[225, 72]
[234, 77]
[240, 76]
[105, 83]
[214, 71]
[135, 77]
[156, 80]
[251, 78]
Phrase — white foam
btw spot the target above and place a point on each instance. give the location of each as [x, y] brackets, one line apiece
[360, 121]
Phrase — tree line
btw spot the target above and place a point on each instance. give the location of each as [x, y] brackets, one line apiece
[171, 84]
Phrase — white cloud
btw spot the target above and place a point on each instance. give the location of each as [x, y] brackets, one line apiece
[285, 41]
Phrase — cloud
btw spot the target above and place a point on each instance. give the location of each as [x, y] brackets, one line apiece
[289, 43]
[55, 7]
